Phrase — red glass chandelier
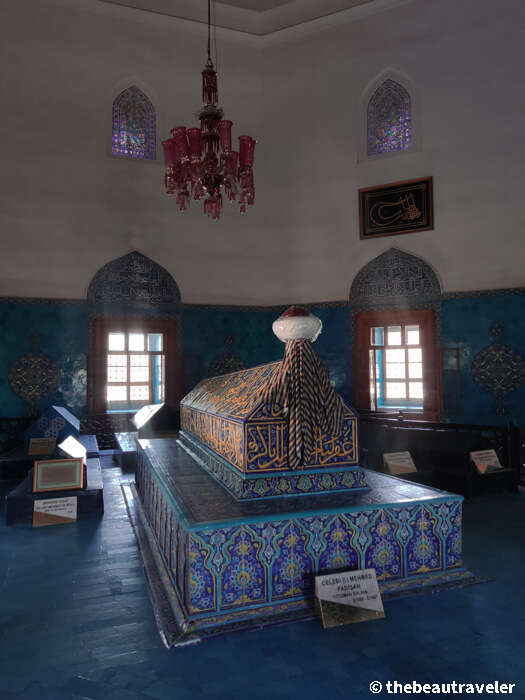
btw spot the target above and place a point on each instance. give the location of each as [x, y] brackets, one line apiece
[200, 161]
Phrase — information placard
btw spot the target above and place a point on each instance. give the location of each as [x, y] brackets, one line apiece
[54, 511]
[348, 596]
[41, 446]
[486, 461]
[398, 463]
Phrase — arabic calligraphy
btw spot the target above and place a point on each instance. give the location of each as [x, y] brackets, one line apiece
[220, 434]
[133, 279]
[386, 213]
[267, 446]
[402, 207]
[230, 394]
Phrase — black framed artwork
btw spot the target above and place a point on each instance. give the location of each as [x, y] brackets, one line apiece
[395, 208]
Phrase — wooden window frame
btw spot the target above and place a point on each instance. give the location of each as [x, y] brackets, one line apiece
[97, 363]
[426, 321]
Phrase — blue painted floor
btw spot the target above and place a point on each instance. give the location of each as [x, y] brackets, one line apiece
[76, 622]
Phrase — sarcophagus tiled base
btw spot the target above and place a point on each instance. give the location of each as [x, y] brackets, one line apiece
[228, 562]
[276, 484]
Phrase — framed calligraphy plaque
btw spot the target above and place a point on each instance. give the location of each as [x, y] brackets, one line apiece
[399, 207]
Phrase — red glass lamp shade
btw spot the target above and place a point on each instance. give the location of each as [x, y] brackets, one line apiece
[171, 153]
[179, 134]
[194, 138]
[246, 150]
[225, 131]
[202, 160]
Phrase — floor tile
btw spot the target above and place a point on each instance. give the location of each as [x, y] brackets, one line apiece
[76, 621]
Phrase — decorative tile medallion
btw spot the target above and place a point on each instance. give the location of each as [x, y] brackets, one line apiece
[226, 363]
[34, 376]
[498, 369]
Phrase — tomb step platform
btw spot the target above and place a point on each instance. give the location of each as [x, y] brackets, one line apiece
[91, 444]
[126, 452]
[224, 563]
[19, 504]
[15, 464]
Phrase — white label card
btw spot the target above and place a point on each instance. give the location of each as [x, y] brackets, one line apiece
[41, 446]
[62, 507]
[485, 460]
[399, 462]
[356, 588]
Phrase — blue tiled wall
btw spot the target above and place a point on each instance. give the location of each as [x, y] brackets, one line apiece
[465, 325]
[64, 338]
[204, 332]
[334, 346]
[64, 329]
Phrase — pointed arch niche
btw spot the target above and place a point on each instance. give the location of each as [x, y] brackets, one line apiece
[390, 122]
[395, 279]
[133, 125]
[134, 280]
[135, 356]
[395, 306]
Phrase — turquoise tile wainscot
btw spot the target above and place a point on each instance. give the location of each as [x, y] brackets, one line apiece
[466, 324]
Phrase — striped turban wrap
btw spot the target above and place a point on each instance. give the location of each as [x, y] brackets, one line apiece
[302, 387]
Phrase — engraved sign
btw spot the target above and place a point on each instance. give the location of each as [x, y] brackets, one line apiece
[55, 511]
[348, 596]
[486, 461]
[398, 463]
[41, 446]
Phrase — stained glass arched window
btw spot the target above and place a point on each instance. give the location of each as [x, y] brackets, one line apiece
[389, 119]
[134, 125]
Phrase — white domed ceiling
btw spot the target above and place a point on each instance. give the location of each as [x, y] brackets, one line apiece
[258, 17]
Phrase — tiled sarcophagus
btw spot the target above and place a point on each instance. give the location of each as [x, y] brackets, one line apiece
[244, 444]
[226, 564]
[287, 501]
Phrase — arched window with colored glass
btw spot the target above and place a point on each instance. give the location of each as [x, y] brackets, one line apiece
[389, 119]
[134, 125]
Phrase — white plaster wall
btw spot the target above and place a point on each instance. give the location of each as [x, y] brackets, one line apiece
[468, 61]
[67, 207]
